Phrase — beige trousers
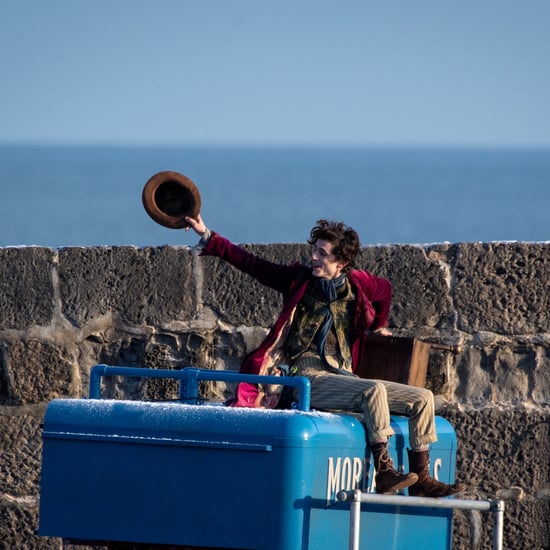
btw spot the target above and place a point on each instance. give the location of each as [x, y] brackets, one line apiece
[333, 388]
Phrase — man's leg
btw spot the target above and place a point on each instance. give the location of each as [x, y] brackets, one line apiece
[342, 392]
[418, 405]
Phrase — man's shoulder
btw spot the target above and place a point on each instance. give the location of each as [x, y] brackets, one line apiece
[360, 275]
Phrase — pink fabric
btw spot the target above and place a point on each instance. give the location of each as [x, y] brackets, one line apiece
[246, 396]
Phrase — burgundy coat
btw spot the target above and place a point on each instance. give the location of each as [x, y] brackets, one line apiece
[373, 298]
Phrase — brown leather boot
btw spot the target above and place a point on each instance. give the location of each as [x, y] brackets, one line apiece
[426, 486]
[387, 479]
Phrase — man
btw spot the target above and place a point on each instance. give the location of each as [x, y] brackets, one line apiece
[328, 307]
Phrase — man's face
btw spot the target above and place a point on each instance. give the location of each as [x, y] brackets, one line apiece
[323, 262]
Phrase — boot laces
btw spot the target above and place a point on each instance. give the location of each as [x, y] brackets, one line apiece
[385, 462]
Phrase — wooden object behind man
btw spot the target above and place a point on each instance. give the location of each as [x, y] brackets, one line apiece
[395, 358]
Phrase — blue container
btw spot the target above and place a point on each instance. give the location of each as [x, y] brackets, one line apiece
[221, 477]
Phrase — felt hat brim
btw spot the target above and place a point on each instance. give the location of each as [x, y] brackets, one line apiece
[168, 197]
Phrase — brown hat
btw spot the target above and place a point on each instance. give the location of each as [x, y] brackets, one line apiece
[168, 197]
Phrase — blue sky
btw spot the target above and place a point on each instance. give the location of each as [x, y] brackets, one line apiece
[302, 72]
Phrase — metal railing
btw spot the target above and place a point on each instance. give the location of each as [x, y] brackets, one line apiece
[189, 379]
[357, 497]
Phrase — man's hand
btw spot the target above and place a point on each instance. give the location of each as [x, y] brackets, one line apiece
[196, 224]
[383, 331]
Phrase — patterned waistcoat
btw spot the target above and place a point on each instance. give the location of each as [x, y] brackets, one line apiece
[310, 315]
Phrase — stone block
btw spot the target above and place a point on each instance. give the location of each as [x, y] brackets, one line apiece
[142, 286]
[505, 372]
[18, 522]
[21, 444]
[420, 285]
[541, 377]
[39, 371]
[26, 287]
[503, 287]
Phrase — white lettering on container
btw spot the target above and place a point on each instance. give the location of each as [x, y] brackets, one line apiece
[344, 475]
[349, 473]
[437, 467]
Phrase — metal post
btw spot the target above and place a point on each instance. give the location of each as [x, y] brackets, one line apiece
[355, 520]
[498, 527]
[189, 386]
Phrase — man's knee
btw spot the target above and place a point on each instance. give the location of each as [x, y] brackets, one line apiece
[375, 392]
[424, 399]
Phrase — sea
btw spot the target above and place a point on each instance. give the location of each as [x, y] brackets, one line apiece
[64, 196]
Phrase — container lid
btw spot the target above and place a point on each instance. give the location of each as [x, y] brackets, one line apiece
[172, 423]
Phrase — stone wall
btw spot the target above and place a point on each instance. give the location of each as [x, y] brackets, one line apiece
[64, 310]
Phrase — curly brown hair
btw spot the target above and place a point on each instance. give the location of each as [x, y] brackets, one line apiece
[345, 239]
